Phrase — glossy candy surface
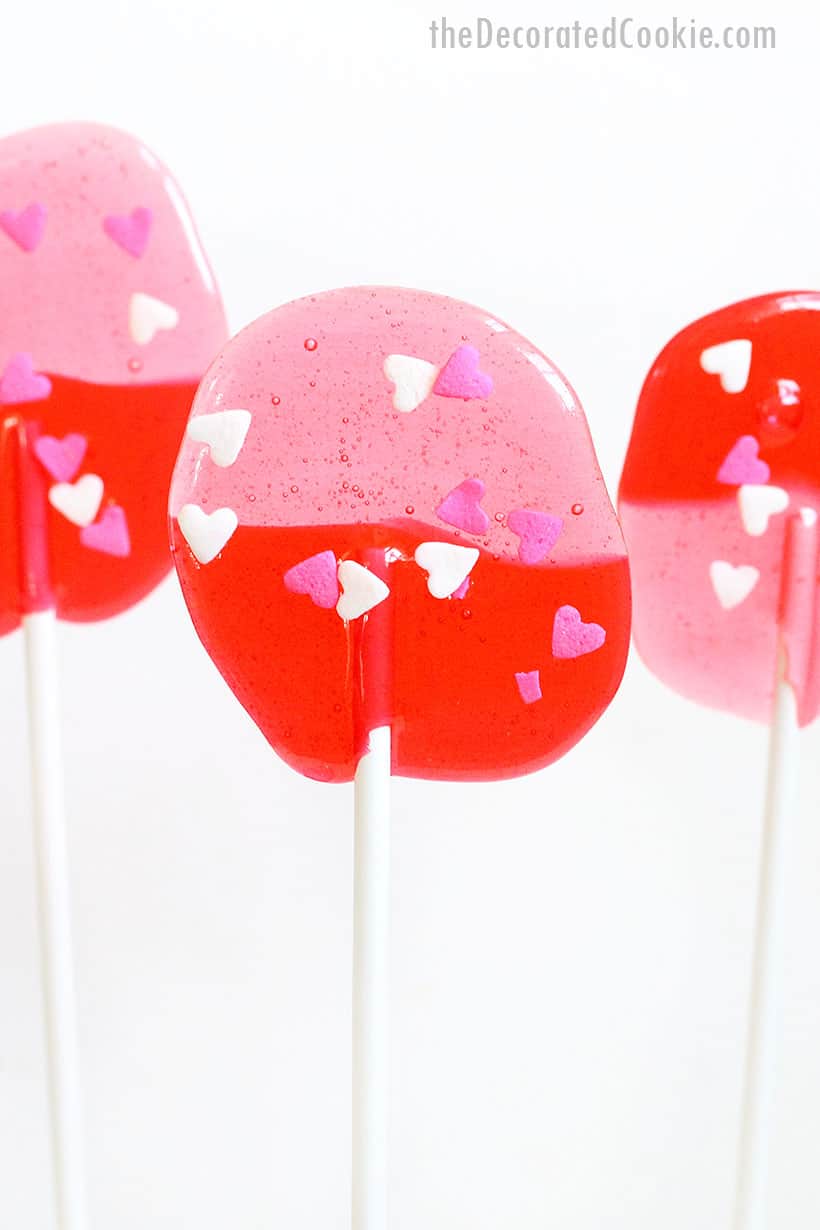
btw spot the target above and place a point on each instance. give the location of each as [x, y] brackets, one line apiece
[109, 316]
[718, 501]
[387, 509]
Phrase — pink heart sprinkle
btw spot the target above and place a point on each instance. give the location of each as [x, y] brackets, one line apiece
[742, 464]
[317, 577]
[462, 507]
[460, 376]
[131, 231]
[571, 637]
[538, 532]
[20, 383]
[25, 226]
[529, 685]
[62, 458]
[461, 592]
[109, 534]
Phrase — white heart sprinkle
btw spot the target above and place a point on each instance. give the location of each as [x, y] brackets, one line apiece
[223, 432]
[147, 316]
[413, 380]
[206, 533]
[731, 584]
[731, 361]
[809, 517]
[361, 590]
[757, 503]
[79, 502]
[447, 566]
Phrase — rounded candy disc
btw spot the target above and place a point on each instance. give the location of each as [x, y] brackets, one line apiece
[109, 316]
[387, 510]
[719, 500]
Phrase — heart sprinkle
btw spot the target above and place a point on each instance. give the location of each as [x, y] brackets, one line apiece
[224, 432]
[538, 531]
[61, 458]
[731, 361]
[757, 504]
[148, 316]
[362, 590]
[462, 507]
[206, 533]
[109, 534]
[78, 502]
[529, 685]
[447, 566]
[742, 464]
[732, 585]
[571, 637]
[413, 380]
[317, 577]
[25, 226]
[130, 232]
[20, 383]
[460, 376]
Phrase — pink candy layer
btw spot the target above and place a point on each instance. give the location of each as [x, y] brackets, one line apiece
[66, 284]
[326, 445]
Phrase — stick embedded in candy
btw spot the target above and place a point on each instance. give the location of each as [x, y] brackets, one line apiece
[108, 317]
[719, 500]
[396, 545]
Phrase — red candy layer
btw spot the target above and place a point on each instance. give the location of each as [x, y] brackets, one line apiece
[453, 701]
[132, 436]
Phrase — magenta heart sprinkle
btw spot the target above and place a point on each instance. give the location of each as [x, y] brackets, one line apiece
[317, 577]
[538, 531]
[62, 458]
[742, 465]
[25, 226]
[460, 376]
[109, 534]
[20, 383]
[131, 231]
[571, 637]
[462, 507]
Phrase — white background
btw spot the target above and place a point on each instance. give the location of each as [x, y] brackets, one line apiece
[571, 950]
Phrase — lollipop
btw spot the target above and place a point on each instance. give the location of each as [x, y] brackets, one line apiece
[109, 317]
[388, 477]
[395, 543]
[719, 500]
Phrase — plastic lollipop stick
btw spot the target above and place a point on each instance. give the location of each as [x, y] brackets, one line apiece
[54, 909]
[371, 983]
[373, 656]
[108, 316]
[765, 1005]
[763, 1041]
[719, 500]
[50, 853]
[394, 541]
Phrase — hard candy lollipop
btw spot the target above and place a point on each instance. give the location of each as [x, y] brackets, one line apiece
[719, 500]
[385, 476]
[108, 317]
[391, 529]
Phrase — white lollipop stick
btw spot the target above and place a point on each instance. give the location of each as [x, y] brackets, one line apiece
[763, 1043]
[54, 906]
[765, 1008]
[50, 853]
[371, 984]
